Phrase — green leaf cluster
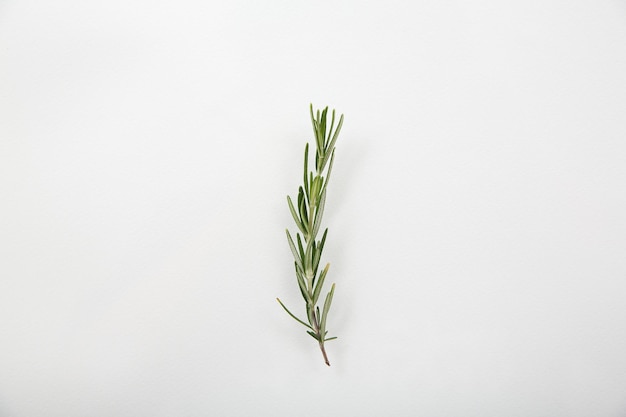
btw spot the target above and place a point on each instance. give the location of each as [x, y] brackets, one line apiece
[307, 213]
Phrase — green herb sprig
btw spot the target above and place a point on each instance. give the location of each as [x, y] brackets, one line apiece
[308, 213]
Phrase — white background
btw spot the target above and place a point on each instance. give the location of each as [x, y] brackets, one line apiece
[477, 209]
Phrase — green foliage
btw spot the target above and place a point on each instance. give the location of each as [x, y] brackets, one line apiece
[307, 214]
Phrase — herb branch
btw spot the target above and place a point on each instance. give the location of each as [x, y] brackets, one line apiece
[307, 251]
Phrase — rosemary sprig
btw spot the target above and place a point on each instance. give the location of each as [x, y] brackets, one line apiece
[307, 251]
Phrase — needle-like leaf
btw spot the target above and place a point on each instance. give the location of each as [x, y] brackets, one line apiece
[331, 145]
[321, 245]
[296, 256]
[291, 314]
[306, 294]
[313, 335]
[300, 248]
[320, 283]
[327, 302]
[330, 168]
[318, 214]
[306, 170]
[295, 216]
[332, 123]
